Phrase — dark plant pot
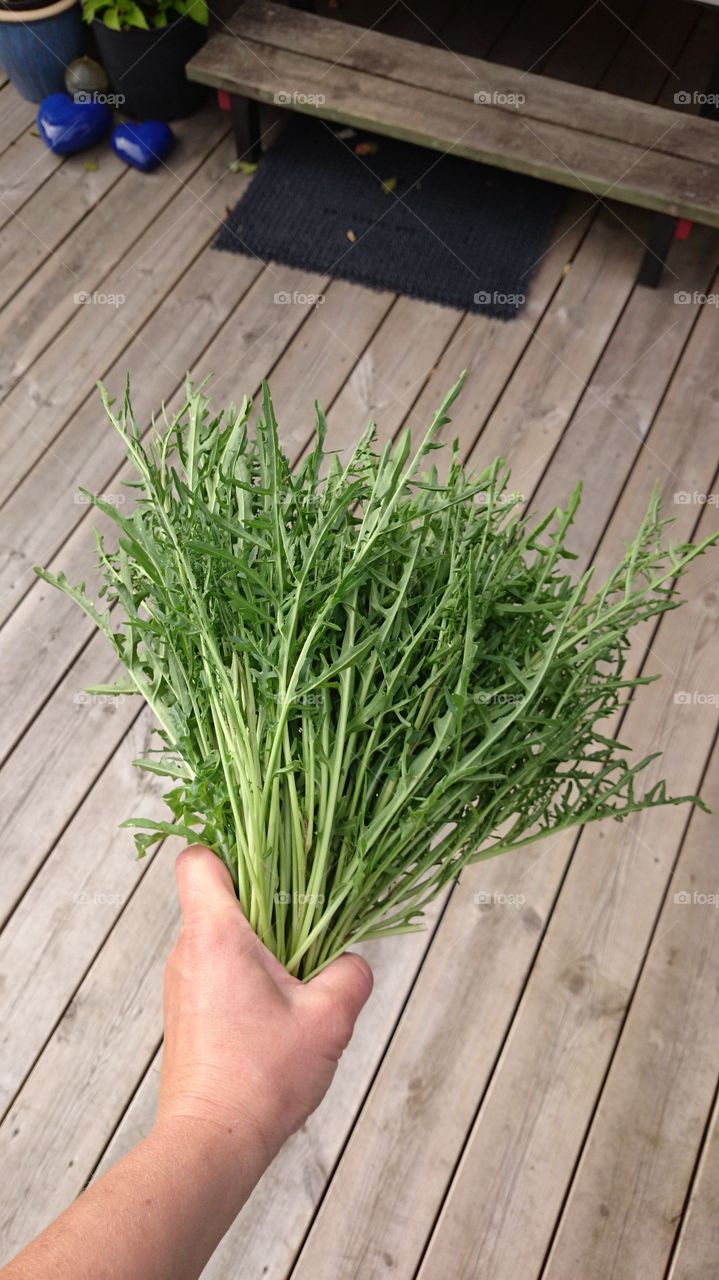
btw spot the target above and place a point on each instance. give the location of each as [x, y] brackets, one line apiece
[37, 43]
[147, 68]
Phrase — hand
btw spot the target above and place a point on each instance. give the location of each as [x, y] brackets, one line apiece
[249, 1051]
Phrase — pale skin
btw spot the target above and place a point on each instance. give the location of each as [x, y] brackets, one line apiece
[249, 1052]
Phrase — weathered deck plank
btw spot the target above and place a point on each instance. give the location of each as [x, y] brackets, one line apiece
[32, 415]
[55, 253]
[698, 1242]
[629, 1192]
[16, 115]
[72, 907]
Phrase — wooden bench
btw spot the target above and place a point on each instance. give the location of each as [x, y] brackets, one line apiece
[610, 146]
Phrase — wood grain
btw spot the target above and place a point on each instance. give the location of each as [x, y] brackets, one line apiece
[630, 1188]
[52, 246]
[35, 411]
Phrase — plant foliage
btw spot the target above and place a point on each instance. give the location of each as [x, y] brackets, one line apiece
[123, 15]
[364, 677]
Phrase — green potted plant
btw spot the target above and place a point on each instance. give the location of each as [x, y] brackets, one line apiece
[144, 46]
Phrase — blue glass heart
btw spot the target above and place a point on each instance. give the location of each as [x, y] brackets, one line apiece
[144, 145]
[67, 126]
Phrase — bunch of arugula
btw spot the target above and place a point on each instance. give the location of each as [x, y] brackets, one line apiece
[364, 677]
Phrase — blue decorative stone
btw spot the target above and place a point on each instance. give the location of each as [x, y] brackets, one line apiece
[67, 126]
[144, 145]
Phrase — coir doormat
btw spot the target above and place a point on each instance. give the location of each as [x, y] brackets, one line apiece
[395, 216]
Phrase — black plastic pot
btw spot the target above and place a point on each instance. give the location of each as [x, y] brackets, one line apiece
[147, 68]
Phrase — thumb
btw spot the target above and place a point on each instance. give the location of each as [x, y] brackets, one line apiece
[346, 984]
[206, 892]
[204, 884]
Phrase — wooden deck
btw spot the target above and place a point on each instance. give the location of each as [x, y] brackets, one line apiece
[532, 1090]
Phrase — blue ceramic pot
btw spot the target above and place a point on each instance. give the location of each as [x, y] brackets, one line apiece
[36, 46]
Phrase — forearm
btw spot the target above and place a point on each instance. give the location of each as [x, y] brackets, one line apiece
[156, 1215]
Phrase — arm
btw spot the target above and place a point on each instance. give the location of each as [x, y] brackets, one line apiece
[249, 1053]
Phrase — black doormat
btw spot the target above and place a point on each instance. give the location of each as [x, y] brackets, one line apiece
[395, 216]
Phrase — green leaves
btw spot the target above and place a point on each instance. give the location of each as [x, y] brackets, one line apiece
[123, 15]
[364, 677]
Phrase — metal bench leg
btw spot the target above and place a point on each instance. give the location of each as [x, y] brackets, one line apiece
[246, 127]
[661, 235]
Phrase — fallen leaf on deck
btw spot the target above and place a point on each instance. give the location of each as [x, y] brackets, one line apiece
[390, 185]
[351, 235]
[366, 149]
[90, 166]
[243, 166]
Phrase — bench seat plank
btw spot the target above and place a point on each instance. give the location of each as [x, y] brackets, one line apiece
[607, 167]
[588, 111]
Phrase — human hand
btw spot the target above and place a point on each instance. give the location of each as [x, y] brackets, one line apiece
[249, 1051]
